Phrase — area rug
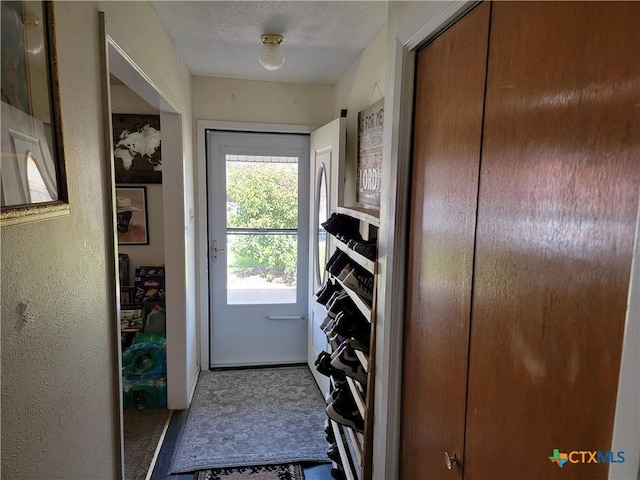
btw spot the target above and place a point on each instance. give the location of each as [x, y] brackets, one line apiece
[263, 416]
[265, 472]
[142, 432]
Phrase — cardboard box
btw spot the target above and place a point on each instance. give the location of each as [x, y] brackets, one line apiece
[149, 283]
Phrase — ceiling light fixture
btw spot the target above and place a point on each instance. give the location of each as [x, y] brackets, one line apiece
[271, 55]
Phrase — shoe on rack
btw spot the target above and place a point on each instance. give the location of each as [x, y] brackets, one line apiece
[348, 268]
[352, 324]
[338, 474]
[345, 412]
[334, 454]
[366, 248]
[341, 261]
[339, 224]
[356, 345]
[349, 363]
[340, 304]
[324, 367]
[325, 294]
[361, 282]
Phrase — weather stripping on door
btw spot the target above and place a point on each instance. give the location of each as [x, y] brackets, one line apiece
[285, 317]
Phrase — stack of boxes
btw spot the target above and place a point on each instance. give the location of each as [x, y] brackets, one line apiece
[144, 365]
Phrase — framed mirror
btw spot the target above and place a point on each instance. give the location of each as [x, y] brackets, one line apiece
[322, 209]
[33, 182]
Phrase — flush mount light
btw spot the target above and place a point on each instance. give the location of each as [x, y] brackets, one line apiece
[271, 55]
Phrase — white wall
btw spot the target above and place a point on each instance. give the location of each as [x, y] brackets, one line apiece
[124, 100]
[359, 87]
[59, 407]
[262, 102]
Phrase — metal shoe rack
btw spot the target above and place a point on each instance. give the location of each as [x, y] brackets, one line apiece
[355, 447]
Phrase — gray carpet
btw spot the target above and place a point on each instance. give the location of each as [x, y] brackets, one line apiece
[142, 432]
[261, 416]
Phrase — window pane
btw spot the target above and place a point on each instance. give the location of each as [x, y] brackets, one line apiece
[262, 192]
[261, 268]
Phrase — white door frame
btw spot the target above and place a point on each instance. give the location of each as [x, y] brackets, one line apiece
[202, 265]
[402, 45]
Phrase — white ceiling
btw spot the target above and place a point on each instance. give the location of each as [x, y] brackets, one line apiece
[222, 38]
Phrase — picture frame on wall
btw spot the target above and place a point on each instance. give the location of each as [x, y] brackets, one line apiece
[33, 174]
[137, 152]
[370, 134]
[131, 209]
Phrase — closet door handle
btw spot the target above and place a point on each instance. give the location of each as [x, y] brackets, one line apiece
[450, 461]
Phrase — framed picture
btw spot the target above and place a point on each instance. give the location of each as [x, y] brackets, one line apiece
[370, 126]
[131, 317]
[34, 185]
[136, 148]
[126, 295]
[131, 206]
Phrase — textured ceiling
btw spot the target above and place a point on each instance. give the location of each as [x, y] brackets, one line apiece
[222, 38]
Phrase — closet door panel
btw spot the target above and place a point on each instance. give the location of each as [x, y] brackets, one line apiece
[447, 131]
[558, 199]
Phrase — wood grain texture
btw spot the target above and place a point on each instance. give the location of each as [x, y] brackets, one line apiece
[448, 126]
[558, 197]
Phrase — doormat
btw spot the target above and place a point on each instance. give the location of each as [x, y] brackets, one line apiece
[261, 416]
[265, 472]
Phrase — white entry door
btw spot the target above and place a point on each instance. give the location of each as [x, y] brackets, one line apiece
[327, 186]
[258, 247]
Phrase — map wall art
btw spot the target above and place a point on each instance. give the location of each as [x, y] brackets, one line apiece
[136, 148]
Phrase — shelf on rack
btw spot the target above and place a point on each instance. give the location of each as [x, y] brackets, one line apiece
[364, 308]
[357, 396]
[347, 465]
[361, 260]
[364, 360]
[368, 215]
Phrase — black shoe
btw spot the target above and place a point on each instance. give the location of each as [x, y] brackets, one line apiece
[324, 367]
[323, 296]
[345, 412]
[365, 248]
[339, 304]
[341, 261]
[334, 454]
[343, 225]
[338, 474]
[351, 324]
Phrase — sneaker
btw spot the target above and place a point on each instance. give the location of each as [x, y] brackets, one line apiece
[334, 454]
[325, 294]
[361, 283]
[338, 264]
[345, 412]
[348, 362]
[343, 225]
[338, 473]
[324, 367]
[339, 304]
[350, 324]
[365, 248]
[348, 268]
[356, 345]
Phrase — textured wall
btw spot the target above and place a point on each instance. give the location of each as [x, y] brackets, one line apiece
[58, 398]
[264, 102]
[359, 87]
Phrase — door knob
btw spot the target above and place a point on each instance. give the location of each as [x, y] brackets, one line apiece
[449, 460]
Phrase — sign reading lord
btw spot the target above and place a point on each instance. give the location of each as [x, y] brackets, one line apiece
[370, 123]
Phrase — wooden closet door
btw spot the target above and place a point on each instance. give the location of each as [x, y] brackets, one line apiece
[447, 132]
[556, 216]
